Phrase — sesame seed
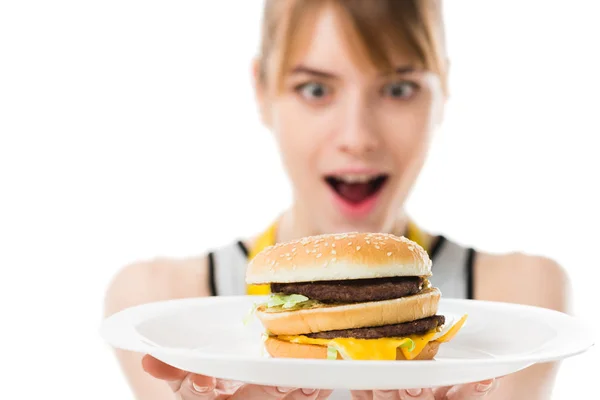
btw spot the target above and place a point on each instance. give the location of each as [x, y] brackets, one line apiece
[333, 259]
[368, 242]
[326, 244]
[294, 250]
[357, 248]
[377, 247]
[349, 243]
[319, 255]
[389, 253]
[333, 252]
[332, 244]
[289, 258]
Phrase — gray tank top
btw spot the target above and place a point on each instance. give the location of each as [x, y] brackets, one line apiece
[452, 273]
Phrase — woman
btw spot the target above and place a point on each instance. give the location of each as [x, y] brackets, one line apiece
[352, 91]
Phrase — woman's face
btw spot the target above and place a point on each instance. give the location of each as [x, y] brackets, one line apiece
[352, 140]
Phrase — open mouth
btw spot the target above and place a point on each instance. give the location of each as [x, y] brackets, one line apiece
[356, 189]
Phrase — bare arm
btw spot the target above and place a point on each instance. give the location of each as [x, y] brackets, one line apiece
[148, 282]
[526, 280]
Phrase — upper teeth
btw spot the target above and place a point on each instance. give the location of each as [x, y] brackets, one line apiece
[355, 178]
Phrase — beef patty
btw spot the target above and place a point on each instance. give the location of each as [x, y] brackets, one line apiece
[353, 291]
[375, 332]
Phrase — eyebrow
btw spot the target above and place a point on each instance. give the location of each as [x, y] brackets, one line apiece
[405, 69]
[302, 69]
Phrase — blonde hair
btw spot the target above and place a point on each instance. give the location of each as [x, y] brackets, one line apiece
[375, 28]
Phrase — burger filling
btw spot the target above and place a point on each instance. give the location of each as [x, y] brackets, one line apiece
[353, 291]
[416, 327]
[305, 295]
[368, 343]
[372, 344]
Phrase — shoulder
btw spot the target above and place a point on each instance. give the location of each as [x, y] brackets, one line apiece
[521, 278]
[156, 280]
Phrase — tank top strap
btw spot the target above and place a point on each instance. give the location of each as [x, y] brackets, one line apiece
[227, 269]
[452, 268]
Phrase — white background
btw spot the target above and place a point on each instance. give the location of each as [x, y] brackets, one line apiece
[128, 130]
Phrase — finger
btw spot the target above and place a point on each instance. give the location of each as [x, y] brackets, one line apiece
[308, 394]
[362, 394]
[417, 394]
[472, 390]
[441, 392]
[259, 392]
[198, 387]
[160, 370]
[324, 394]
[386, 395]
[187, 384]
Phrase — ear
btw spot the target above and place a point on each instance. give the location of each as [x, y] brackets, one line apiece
[259, 91]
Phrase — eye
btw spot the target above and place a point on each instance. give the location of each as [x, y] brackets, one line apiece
[400, 90]
[313, 91]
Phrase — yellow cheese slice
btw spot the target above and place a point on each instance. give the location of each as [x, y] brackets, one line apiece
[453, 331]
[356, 349]
[379, 349]
[420, 343]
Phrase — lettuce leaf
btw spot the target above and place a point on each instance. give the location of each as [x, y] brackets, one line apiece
[331, 353]
[409, 343]
[250, 313]
[278, 301]
[286, 300]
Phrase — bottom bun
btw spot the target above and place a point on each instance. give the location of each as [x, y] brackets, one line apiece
[282, 349]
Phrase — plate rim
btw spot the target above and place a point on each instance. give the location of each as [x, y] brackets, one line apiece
[124, 322]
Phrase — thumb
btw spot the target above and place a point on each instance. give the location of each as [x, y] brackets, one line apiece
[161, 370]
[466, 392]
[188, 385]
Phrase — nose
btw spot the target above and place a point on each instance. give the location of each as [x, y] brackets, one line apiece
[357, 135]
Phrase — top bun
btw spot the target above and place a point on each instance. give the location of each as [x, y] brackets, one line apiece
[339, 257]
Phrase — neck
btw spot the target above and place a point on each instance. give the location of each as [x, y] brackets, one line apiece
[295, 223]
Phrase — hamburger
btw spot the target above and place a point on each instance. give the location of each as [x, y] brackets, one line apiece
[354, 296]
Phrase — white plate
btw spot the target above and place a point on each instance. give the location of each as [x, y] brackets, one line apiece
[207, 336]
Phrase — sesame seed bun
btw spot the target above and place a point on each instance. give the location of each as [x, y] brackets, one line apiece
[339, 257]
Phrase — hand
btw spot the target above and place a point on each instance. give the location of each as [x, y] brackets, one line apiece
[188, 386]
[469, 391]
